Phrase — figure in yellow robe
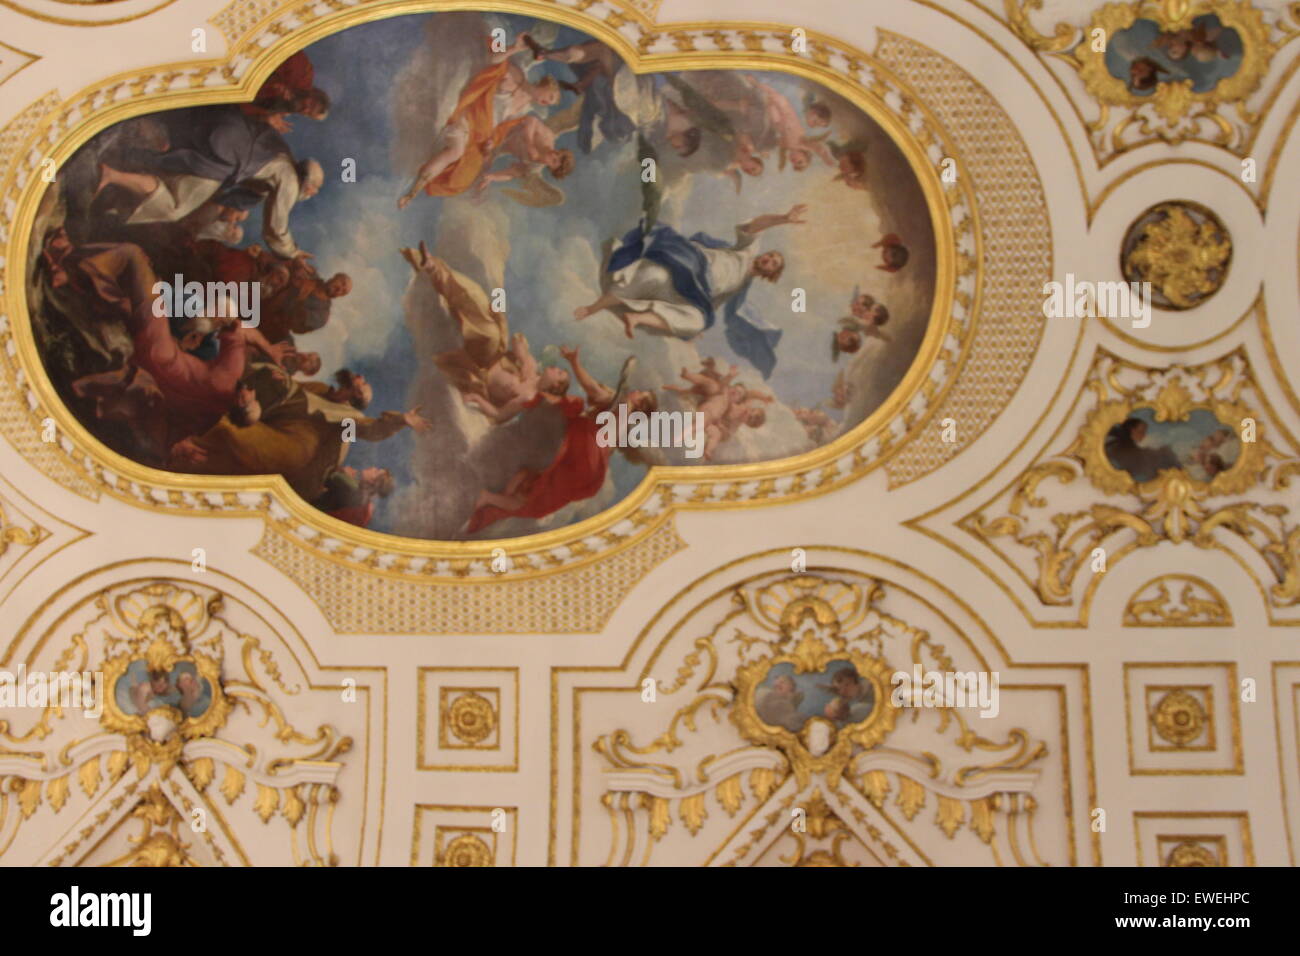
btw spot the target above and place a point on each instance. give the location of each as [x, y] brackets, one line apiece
[300, 436]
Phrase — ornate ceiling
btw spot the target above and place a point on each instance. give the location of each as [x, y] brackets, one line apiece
[1005, 574]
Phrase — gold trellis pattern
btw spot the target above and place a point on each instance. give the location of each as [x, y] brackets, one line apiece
[570, 600]
[1015, 233]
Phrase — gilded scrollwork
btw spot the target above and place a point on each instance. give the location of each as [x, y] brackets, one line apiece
[16, 534]
[1197, 603]
[1182, 249]
[1166, 70]
[158, 740]
[1165, 453]
[803, 670]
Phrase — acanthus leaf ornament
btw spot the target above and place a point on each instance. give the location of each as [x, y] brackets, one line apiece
[1162, 450]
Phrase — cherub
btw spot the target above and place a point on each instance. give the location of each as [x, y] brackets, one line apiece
[1144, 73]
[867, 317]
[778, 704]
[854, 697]
[742, 411]
[816, 113]
[793, 141]
[744, 159]
[709, 370]
[817, 423]
[1200, 41]
[155, 688]
[725, 407]
[893, 253]
[532, 142]
[190, 690]
[766, 109]
[1205, 43]
[1207, 452]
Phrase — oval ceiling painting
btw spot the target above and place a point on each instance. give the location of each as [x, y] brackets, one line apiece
[464, 276]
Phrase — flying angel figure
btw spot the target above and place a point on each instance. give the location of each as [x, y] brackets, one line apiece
[864, 321]
[493, 102]
[532, 143]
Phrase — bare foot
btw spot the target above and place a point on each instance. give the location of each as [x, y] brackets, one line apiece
[629, 326]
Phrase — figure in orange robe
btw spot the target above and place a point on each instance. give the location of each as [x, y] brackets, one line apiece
[493, 102]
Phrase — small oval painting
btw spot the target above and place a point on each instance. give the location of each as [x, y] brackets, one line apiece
[1200, 445]
[140, 689]
[1144, 56]
[467, 275]
[838, 693]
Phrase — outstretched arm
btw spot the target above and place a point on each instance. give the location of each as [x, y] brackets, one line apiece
[275, 353]
[759, 223]
[518, 46]
[505, 174]
[498, 414]
[818, 146]
[710, 386]
[524, 356]
[597, 393]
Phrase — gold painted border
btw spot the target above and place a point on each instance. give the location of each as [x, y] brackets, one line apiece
[1282, 770]
[1241, 816]
[1229, 669]
[941, 324]
[72, 22]
[424, 809]
[1074, 844]
[422, 713]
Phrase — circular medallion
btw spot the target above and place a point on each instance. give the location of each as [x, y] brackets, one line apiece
[1179, 718]
[1182, 249]
[1191, 854]
[471, 718]
[467, 850]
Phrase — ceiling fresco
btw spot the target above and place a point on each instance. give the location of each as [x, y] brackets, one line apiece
[446, 433]
[530, 275]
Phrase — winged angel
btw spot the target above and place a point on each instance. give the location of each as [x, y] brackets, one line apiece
[493, 112]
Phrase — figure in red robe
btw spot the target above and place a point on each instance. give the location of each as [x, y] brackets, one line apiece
[577, 472]
[289, 89]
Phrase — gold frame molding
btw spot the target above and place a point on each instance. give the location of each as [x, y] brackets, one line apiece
[842, 69]
[810, 656]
